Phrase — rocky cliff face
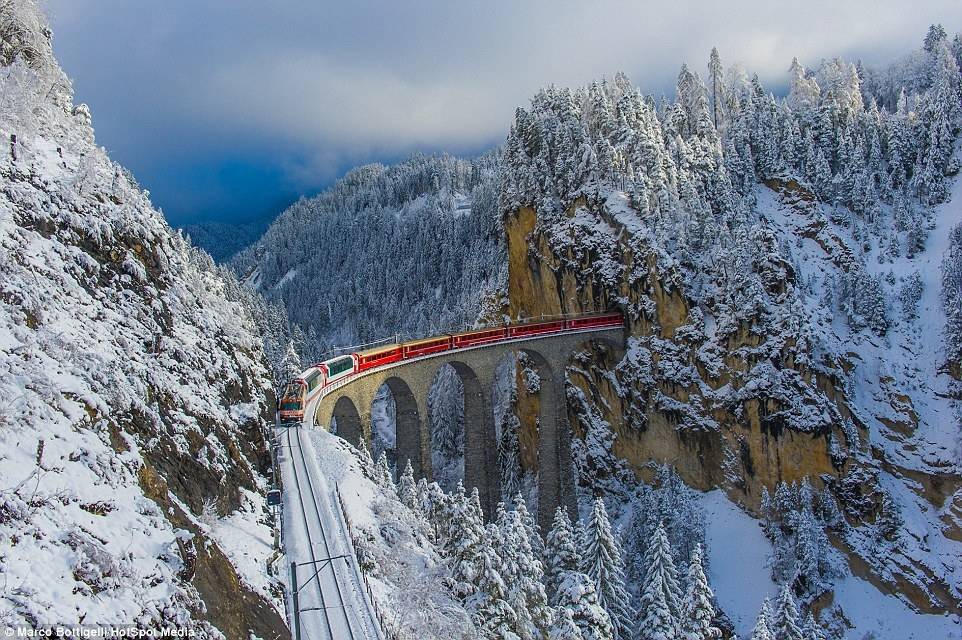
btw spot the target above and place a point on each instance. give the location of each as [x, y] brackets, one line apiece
[134, 389]
[739, 407]
[747, 447]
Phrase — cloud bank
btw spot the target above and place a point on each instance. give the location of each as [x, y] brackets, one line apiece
[205, 100]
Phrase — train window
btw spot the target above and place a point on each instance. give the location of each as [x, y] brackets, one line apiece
[290, 405]
[339, 366]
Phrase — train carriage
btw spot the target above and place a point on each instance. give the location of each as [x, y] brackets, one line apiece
[379, 357]
[298, 392]
[596, 320]
[535, 328]
[417, 348]
[337, 368]
[479, 336]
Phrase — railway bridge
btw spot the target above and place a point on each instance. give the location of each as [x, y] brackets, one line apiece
[349, 402]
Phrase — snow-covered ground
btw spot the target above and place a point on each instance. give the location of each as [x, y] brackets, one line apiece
[874, 614]
[248, 541]
[738, 553]
[132, 391]
[405, 575]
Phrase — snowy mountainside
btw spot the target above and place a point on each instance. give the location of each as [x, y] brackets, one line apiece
[791, 292]
[134, 389]
[413, 249]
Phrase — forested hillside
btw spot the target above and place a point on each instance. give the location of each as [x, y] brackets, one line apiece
[412, 249]
[791, 288]
[222, 240]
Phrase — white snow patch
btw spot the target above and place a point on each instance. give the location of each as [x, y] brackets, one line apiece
[878, 615]
[738, 553]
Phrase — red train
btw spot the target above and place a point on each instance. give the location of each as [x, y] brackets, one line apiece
[300, 391]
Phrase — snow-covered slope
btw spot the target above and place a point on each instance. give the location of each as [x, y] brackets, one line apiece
[410, 249]
[778, 261]
[407, 577]
[132, 390]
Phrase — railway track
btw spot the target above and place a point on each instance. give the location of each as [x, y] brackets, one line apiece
[333, 615]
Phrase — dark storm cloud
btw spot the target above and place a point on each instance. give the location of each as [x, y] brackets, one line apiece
[304, 89]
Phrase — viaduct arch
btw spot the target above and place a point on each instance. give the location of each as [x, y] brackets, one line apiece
[410, 381]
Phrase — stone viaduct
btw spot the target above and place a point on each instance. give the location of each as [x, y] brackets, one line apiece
[410, 381]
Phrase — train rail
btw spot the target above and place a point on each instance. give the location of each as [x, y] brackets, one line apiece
[323, 592]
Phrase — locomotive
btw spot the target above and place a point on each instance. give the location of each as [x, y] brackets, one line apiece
[301, 391]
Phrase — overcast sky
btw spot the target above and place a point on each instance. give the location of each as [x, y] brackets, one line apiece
[231, 109]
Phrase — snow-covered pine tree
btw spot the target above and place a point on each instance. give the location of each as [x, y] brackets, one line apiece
[576, 594]
[382, 472]
[697, 611]
[291, 364]
[561, 551]
[717, 86]
[523, 575]
[659, 563]
[762, 630]
[812, 630]
[604, 565]
[530, 527]
[656, 621]
[406, 488]
[785, 623]
[812, 563]
[564, 627]
[450, 513]
[488, 600]
[889, 524]
[509, 450]
[367, 462]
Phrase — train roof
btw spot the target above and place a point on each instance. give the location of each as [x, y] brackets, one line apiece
[382, 348]
[426, 340]
[497, 327]
[311, 370]
[346, 355]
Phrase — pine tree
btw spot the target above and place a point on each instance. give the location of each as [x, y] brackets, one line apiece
[382, 472]
[291, 364]
[367, 462]
[564, 627]
[576, 594]
[811, 545]
[407, 489]
[812, 630]
[561, 551]
[659, 562]
[697, 611]
[657, 620]
[523, 575]
[889, 524]
[603, 564]
[530, 527]
[717, 85]
[935, 36]
[488, 600]
[693, 102]
[762, 630]
[785, 621]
